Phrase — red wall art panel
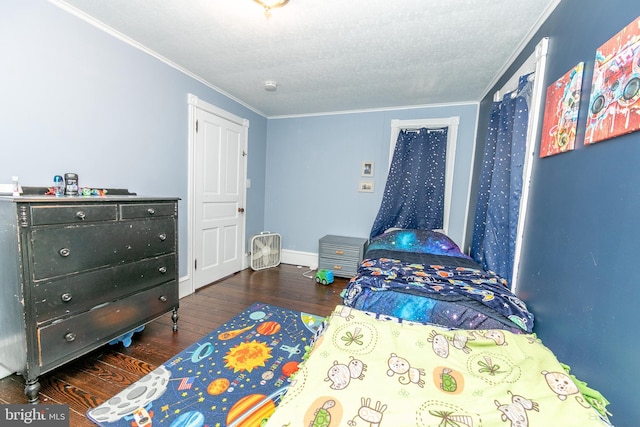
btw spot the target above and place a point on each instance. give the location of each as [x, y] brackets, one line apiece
[614, 108]
[561, 113]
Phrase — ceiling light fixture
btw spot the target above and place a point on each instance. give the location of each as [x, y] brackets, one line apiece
[270, 4]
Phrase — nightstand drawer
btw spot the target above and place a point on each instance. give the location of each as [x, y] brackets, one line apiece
[340, 269]
[340, 251]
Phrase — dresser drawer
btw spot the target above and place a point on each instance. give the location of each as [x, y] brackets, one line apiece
[340, 251]
[57, 251]
[77, 293]
[70, 214]
[147, 210]
[344, 268]
[65, 339]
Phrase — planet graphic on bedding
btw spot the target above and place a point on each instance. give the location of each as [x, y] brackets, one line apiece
[189, 419]
[311, 321]
[251, 410]
[138, 395]
[218, 386]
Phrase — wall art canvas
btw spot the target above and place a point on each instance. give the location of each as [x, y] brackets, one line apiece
[561, 113]
[613, 107]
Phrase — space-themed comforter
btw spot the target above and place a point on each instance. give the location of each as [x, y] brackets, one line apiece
[370, 370]
[422, 276]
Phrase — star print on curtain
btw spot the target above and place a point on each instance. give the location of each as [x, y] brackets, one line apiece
[500, 190]
[414, 192]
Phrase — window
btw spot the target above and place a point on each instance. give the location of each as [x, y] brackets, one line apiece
[451, 123]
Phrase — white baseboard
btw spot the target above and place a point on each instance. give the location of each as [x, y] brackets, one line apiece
[305, 259]
[13, 356]
[185, 287]
[4, 372]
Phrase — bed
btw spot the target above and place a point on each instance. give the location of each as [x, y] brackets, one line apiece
[423, 276]
[369, 370]
[425, 337]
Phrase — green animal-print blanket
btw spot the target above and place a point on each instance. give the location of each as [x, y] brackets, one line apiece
[370, 372]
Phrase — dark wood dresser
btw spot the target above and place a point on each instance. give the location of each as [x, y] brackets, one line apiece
[78, 272]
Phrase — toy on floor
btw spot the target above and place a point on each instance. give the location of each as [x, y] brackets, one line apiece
[126, 338]
[324, 276]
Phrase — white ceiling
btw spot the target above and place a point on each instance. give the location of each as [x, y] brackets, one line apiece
[330, 55]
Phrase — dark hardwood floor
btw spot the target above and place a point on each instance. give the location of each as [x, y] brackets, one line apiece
[90, 380]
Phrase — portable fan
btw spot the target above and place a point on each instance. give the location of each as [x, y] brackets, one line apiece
[265, 250]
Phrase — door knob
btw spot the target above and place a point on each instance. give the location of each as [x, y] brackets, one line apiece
[241, 210]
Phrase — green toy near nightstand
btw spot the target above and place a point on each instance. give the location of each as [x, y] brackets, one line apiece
[324, 276]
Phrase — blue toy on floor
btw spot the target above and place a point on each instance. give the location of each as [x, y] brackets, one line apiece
[126, 338]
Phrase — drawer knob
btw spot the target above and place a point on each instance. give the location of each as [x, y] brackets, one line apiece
[66, 297]
[337, 267]
[69, 337]
[162, 270]
[65, 252]
[162, 237]
[339, 252]
[163, 298]
[81, 215]
[151, 211]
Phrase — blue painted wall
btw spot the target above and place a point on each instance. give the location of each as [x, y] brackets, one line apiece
[581, 238]
[314, 168]
[75, 99]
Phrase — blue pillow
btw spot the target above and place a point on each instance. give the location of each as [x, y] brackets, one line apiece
[417, 241]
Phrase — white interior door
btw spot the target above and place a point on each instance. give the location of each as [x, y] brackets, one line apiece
[219, 197]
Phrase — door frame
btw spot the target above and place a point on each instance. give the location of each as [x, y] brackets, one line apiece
[194, 104]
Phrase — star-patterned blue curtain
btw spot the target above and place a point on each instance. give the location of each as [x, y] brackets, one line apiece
[414, 193]
[497, 211]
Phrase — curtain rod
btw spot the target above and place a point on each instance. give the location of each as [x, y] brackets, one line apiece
[496, 96]
[417, 130]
